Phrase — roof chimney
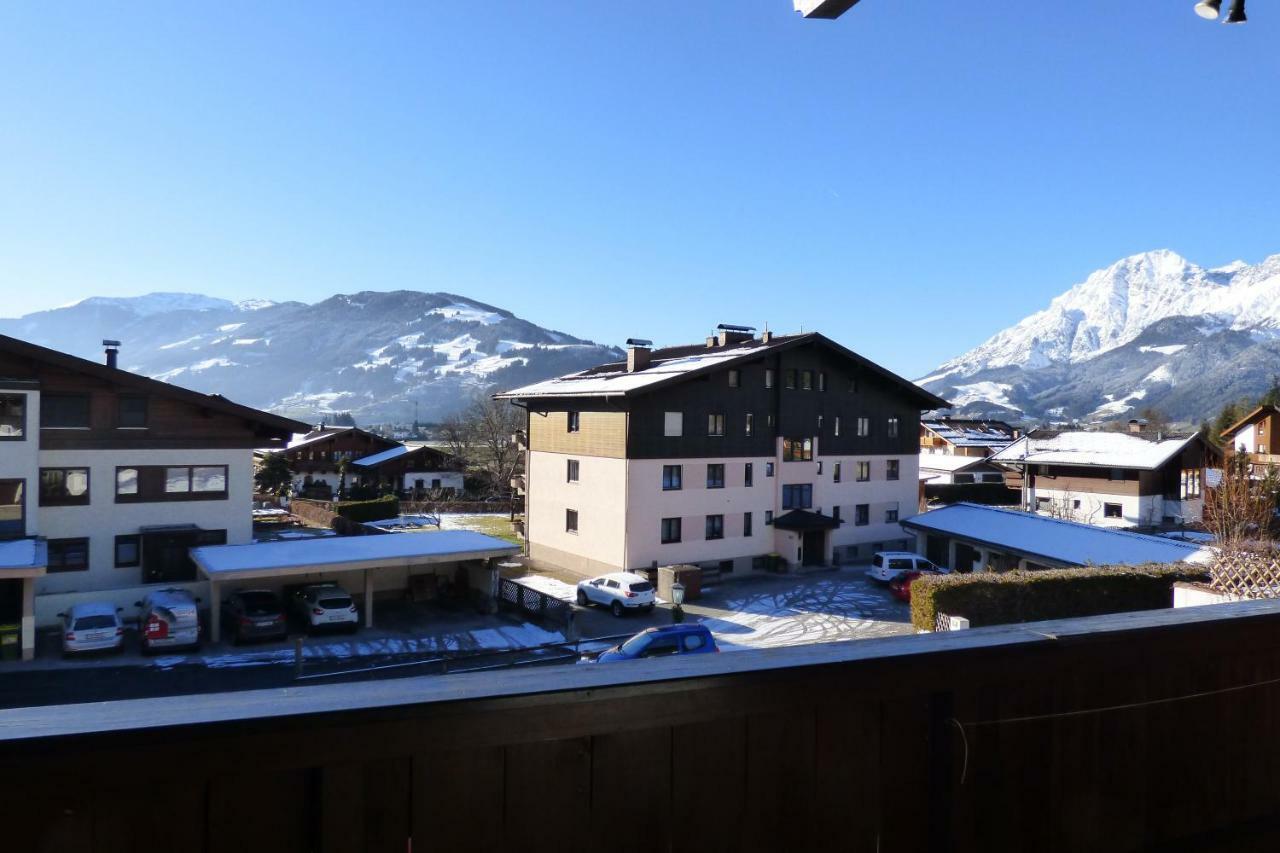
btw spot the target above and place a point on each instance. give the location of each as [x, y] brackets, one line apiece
[730, 334]
[113, 352]
[766, 336]
[638, 352]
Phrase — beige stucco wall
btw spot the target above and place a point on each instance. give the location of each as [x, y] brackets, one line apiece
[598, 498]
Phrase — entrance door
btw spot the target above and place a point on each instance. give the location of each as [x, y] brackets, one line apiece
[815, 546]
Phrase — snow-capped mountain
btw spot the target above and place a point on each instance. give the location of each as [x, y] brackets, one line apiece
[1150, 330]
[374, 354]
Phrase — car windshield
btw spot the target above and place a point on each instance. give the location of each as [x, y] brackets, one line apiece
[259, 603]
[86, 623]
[641, 586]
[636, 644]
[335, 603]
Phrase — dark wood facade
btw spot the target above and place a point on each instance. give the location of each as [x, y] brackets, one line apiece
[1164, 481]
[842, 388]
[111, 400]
[1138, 731]
[325, 452]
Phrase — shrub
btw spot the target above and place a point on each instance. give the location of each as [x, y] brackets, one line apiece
[374, 510]
[1031, 596]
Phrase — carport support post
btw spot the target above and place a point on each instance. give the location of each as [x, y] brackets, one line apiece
[28, 637]
[952, 555]
[368, 598]
[215, 611]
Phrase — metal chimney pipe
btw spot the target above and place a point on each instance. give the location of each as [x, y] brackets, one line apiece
[113, 353]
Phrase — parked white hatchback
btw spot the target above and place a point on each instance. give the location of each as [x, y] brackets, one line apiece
[94, 626]
[620, 591]
[326, 606]
[887, 565]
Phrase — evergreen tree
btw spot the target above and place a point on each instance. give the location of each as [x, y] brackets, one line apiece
[274, 476]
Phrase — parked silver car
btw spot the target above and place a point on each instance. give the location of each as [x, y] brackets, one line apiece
[169, 619]
[91, 627]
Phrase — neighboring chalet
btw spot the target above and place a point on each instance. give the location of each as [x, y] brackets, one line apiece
[721, 454]
[964, 437]
[107, 478]
[371, 461]
[1112, 479]
[1256, 436]
[315, 457]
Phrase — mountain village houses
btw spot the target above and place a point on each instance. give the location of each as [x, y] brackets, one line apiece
[113, 485]
[1112, 479]
[734, 455]
[954, 451]
[1255, 435]
[371, 460]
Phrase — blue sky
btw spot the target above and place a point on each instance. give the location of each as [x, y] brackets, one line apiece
[908, 179]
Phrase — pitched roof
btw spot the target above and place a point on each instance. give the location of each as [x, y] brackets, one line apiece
[1053, 539]
[213, 402]
[1097, 449]
[951, 462]
[316, 436]
[670, 365]
[1248, 419]
[970, 433]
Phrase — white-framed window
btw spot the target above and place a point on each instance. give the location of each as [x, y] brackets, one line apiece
[673, 424]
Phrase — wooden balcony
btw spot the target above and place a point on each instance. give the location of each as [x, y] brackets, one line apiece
[1135, 731]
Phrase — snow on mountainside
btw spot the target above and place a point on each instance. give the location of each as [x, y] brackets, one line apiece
[1142, 332]
[371, 353]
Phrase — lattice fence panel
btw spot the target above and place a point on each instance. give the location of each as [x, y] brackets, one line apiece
[1247, 574]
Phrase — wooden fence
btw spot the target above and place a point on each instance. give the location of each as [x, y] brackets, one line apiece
[1144, 731]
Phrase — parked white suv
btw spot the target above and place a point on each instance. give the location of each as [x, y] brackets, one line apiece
[619, 591]
[326, 605]
[887, 565]
[90, 627]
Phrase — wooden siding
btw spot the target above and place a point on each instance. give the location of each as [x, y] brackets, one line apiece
[172, 423]
[600, 433]
[1132, 731]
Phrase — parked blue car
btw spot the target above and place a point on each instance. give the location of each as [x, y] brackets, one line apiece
[691, 639]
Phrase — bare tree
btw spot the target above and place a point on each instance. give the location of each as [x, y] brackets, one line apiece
[457, 432]
[1240, 511]
[483, 430]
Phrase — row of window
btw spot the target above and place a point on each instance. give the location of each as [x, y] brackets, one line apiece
[67, 411]
[72, 555]
[672, 529]
[673, 475]
[673, 426]
[70, 486]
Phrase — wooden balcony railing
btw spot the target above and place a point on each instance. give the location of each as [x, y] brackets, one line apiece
[1152, 731]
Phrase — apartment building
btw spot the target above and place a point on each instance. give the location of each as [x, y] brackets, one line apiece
[721, 454]
[1112, 479]
[111, 477]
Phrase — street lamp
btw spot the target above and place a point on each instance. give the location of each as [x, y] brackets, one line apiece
[677, 599]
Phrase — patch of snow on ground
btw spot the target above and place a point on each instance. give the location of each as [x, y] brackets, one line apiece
[820, 612]
[1160, 374]
[466, 314]
[230, 327]
[210, 363]
[549, 586]
[454, 349]
[1119, 407]
[244, 342]
[996, 393]
[182, 342]
[1166, 349]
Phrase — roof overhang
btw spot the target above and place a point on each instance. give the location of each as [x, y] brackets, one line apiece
[800, 521]
[828, 9]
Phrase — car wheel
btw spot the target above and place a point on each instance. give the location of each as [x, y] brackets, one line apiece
[582, 599]
[616, 608]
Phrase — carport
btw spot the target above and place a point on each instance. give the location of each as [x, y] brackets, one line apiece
[368, 555]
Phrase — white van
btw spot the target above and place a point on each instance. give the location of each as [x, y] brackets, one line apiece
[168, 619]
[887, 565]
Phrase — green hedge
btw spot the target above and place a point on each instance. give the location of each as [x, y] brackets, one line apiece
[374, 510]
[1009, 597]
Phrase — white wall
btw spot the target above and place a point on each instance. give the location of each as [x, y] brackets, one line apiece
[448, 479]
[103, 519]
[599, 496]
[1137, 509]
[648, 504]
[19, 460]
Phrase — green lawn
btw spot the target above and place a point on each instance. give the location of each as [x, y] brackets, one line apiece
[491, 525]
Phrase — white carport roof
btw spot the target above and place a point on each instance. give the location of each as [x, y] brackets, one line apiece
[345, 553]
[23, 558]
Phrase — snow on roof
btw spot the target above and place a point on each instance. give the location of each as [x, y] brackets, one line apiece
[1103, 449]
[620, 382]
[1058, 540]
[970, 433]
[336, 553]
[949, 462]
[23, 554]
[385, 456]
[311, 438]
